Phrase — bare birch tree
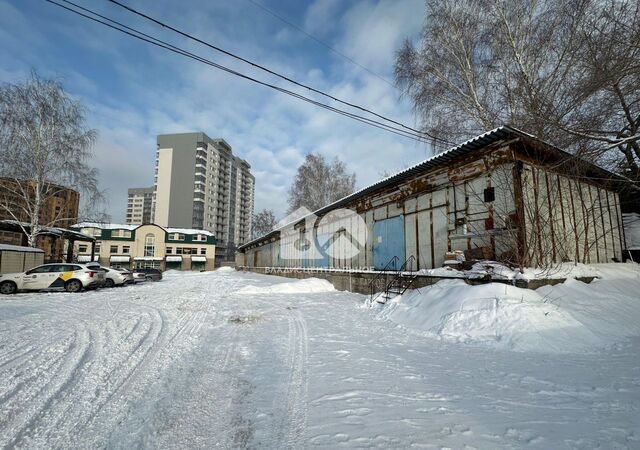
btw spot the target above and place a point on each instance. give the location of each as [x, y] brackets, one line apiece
[264, 222]
[319, 182]
[45, 147]
[566, 71]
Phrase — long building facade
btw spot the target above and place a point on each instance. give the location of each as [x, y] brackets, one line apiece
[200, 184]
[146, 246]
[503, 195]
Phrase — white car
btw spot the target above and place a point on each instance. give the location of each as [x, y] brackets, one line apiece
[113, 277]
[70, 277]
[128, 275]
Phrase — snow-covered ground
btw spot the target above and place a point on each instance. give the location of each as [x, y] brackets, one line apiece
[241, 360]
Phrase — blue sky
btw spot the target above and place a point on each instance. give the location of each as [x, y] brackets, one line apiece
[133, 91]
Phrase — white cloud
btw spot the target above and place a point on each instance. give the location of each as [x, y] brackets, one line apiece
[157, 92]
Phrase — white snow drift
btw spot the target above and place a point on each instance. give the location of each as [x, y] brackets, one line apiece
[569, 317]
[306, 286]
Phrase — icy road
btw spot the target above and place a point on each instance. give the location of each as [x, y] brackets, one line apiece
[220, 360]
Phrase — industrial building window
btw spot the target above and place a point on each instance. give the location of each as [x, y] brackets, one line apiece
[169, 250]
[82, 248]
[203, 251]
[149, 245]
[125, 249]
[177, 237]
[489, 195]
[113, 249]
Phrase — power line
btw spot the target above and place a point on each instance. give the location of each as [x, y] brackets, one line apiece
[157, 42]
[321, 42]
[271, 72]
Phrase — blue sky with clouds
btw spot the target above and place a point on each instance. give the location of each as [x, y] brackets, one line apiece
[133, 91]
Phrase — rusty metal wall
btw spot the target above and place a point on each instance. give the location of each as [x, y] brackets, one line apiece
[563, 219]
[569, 219]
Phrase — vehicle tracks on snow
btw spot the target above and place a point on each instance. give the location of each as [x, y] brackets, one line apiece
[293, 423]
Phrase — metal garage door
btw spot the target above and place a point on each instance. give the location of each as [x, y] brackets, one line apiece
[388, 241]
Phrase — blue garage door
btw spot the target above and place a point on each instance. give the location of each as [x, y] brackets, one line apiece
[322, 244]
[388, 241]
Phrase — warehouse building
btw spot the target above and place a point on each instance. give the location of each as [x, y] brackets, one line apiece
[147, 246]
[504, 195]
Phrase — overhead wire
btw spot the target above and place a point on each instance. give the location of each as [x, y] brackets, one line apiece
[170, 47]
[320, 41]
[431, 137]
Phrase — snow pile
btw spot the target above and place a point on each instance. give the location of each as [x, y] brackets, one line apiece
[442, 272]
[306, 286]
[497, 271]
[564, 270]
[570, 317]
[225, 269]
[493, 270]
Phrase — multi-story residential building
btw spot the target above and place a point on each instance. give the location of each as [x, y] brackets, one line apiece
[59, 209]
[139, 206]
[148, 245]
[200, 184]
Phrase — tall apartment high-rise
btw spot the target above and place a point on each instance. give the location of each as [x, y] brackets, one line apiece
[139, 205]
[199, 183]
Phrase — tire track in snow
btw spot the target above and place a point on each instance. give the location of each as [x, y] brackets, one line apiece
[126, 373]
[13, 360]
[95, 385]
[294, 422]
[61, 384]
[185, 406]
[188, 324]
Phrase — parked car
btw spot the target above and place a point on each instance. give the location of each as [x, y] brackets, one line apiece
[128, 275]
[113, 277]
[147, 275]
[70, 277]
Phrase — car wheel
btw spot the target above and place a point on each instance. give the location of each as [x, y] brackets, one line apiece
[148, 278]
[109, 283]
[73, 286]
[8, 287]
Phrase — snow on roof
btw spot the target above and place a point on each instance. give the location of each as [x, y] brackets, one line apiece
[440, 158]
[631, 223]
[187, 231]
[18, 248]
[120, 226]
[106, 226]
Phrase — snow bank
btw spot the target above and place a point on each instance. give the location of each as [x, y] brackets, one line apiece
[442, 272]
[564, 270]
[498, 271]
[570, 317]
[308, 285]
[225, 269]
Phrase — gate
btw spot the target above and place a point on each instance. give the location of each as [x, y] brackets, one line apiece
[388, 241]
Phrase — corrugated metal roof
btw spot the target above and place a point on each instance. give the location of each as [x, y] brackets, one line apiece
[437, 160]
[490, 137]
